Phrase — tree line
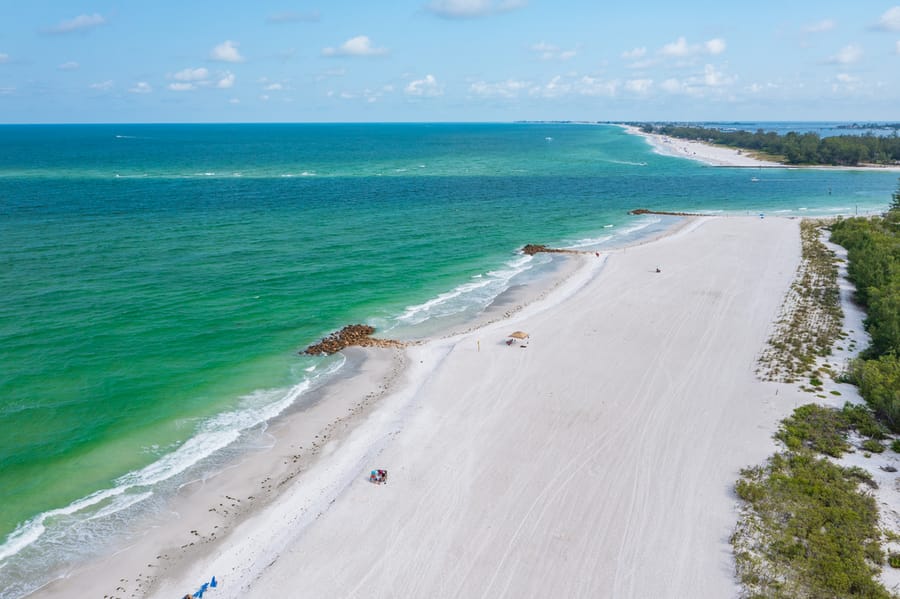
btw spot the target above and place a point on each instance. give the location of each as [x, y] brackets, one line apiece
[873, 251]
[795, 148]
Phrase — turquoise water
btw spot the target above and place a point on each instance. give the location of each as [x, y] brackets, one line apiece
[159, 280]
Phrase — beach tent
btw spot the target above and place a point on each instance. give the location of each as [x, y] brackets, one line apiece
[519, 335]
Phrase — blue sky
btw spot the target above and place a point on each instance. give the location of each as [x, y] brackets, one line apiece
[447, 60]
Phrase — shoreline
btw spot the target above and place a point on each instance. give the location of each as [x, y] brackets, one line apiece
[721, 156]
[260, 548]
[467, 484]
[205, 511]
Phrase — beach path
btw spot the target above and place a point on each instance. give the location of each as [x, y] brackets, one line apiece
[598, 461]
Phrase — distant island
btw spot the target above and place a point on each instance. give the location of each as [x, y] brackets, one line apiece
[795, 148]
[872, 126]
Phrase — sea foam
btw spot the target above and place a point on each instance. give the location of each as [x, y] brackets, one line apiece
[61, 532]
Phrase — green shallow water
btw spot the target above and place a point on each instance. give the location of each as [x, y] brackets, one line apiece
[160, 279]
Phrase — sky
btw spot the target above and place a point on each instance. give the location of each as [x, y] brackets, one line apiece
[84, 61]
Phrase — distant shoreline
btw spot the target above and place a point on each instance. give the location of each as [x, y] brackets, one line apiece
[721, 156]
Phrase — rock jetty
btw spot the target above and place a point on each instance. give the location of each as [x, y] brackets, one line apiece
[352, 334]
[531, 249]
[646, 211]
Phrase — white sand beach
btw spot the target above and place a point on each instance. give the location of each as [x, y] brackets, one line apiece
[697, 150]
[596, 461]
[714, 155]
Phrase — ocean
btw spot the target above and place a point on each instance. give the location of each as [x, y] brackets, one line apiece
[160, 280]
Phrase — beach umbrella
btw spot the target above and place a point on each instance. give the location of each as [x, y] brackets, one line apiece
[519, 335]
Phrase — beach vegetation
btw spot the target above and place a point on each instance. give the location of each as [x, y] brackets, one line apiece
[873, 251]
[811, 316]
[824, 430]
[792, 147]
[807, 530]
[872, 446]
[879, 384]
[809, 527]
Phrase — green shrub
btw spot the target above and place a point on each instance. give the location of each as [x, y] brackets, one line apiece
[815, 530]
[815, 427]
[863, 420]
[879, 384]
[894, 560]
[872, 445]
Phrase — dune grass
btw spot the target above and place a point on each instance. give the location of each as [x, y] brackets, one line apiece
[810, 319]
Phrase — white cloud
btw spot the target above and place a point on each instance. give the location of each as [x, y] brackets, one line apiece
[7, 91]
[572, 84]
[634, 53]
[639, 86]
[234, 101]
[502, 89]
[677, 48]
[712, 82]
[470, 9]
[4, 58]
[592, 86]
[554, 88]
[715, 46]
[844, 82]
[79, 23]
[550, 52]
[847, 55]
[227, 51]
[199, 74]
[141, 87]
[102, 86]
[226, 81]
[715, 78]
[672, 86]
[182, 87]
[373, 95]
[360, 45]
[890, 20]
[756, 88]
[274, 87]
[427, 87]
[66, 66]
[820, 26]
[680, 48]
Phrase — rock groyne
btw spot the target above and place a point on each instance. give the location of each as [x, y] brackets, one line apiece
[531, 249]
[646, 211]
[350, 335]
